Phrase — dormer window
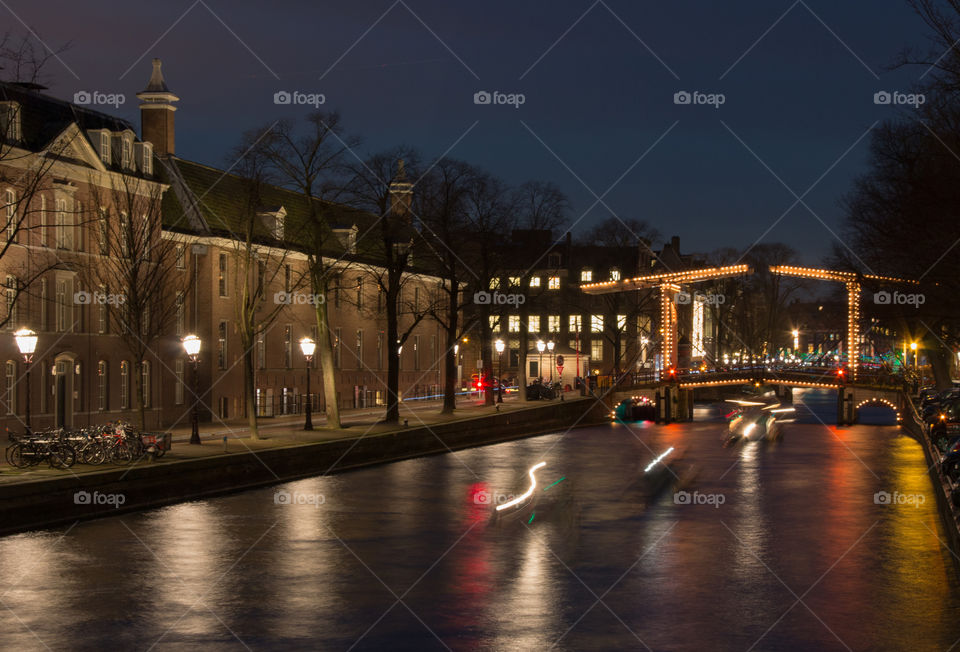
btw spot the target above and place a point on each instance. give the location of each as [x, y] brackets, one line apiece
[126, 153]
[614, 274]
[10, 121]
[143, 153]
[348, 238]
[274, 220]
[105, 147]
[586, 275]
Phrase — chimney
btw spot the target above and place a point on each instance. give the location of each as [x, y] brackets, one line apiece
[401, 193]
[156, 113]
[675, 244]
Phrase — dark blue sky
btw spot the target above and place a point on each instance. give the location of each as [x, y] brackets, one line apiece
[599, 99]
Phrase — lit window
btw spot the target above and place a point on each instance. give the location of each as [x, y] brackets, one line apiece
[596, 323]
[553, 323]
[11, 394]
[10, 203]
[494, 284]
[622, 322]
[596, 349]
[125, 154]
[586, 275]
[147, 158]
[181, 257]
[178, 386]
[105, 147]
[222, 278]
[145, 378]
[124, 384]
[102, 385]
[513, 324]
[535, 282]
[575, 323]
[494, 322]
[614, 274]
[222, 345]
[533, 324]
[287, 346]
[514, 281]
[553, 283]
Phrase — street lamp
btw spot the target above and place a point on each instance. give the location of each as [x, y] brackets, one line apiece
[308, 346]
[913, 347]
[500, 347]
[796, 339]
[27, 343]
[540, 347]
[550, 346]
[191, 344]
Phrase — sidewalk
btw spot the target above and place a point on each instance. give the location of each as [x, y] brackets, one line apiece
[219, 439]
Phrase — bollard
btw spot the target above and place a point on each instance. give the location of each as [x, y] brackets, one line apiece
[224, 443]
[406, 423]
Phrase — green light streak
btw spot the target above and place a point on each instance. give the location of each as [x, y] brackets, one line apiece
[531, 518]
[555, 483]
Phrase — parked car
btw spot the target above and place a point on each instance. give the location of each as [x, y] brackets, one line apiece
[538, 390]
[946, 426]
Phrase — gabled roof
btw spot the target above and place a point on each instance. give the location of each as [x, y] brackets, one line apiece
[208, 201]
[43, 118]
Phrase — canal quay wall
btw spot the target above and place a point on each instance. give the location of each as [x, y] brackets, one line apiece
[942, 487]
[67, 499]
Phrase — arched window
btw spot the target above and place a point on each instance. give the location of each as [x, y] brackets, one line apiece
[102, 385]
[11, 393]
[124, 384]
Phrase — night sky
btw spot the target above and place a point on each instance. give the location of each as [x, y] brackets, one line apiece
[798, 92]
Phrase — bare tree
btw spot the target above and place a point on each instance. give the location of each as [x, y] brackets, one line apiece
[133, 282]
[309, 158]
[440, 200]
[380, 185]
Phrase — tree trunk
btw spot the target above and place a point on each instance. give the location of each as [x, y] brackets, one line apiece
[327, 369]
[249, 390]
[393, 358]
[450, 358]
[138, 385]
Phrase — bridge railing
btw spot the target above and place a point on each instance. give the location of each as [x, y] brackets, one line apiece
[877, 378]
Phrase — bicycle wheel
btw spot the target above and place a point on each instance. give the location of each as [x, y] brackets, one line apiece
[62, 456]
[16, 458]
[120, 453]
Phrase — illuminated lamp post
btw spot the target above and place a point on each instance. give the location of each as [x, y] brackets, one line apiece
[913, 347]
[191, 344]
[308, 346]
[27, 343]
[550, 346]
[540, 347]
[500, 347]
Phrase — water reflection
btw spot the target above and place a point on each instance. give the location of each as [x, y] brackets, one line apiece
[324, 575]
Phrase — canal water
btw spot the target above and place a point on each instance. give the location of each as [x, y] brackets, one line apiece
[826, 540]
